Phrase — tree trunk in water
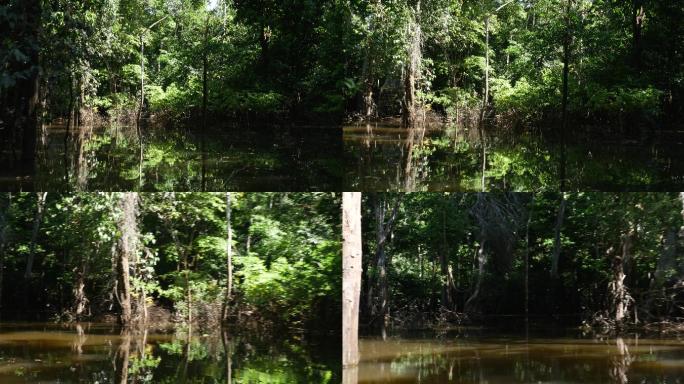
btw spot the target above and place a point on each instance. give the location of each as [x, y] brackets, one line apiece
[618, 291]
[351, 277]
[448, 287]
[37, 219]
[229, 259]
[412, 70]
[557, 246]
[564, 112]
[481, 261]
[126, 250]
[80, 299]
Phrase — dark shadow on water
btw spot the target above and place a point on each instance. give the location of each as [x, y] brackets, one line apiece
[114, 158]
[445, 158]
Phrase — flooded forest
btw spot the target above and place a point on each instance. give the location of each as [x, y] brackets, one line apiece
[169, 287]
[514, 287]
[369, 95]
[341, 191]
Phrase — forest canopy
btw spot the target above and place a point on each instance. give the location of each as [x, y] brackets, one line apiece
[327, 59]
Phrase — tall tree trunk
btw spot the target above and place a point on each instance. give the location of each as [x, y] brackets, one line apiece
[126, 250]
[638, 17]
[527, 267]
[229, 259]
[448, 287]
[618, 291]
[557, 246]
[205, 69]
[37, 219]
[383, 230]
[412, 72]
[30, 86]
[481, 262]
[80, 299]
[351, 276]
[564, 112]
[4, 229]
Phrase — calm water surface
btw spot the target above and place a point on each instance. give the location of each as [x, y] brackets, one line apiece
[483, 357]
[90, 353]
[387, 158]
[111, 158]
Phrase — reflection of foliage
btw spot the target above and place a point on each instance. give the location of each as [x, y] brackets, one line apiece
[142, 367]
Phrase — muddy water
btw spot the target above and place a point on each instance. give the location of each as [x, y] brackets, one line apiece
[442, 158]
[90, 353]
[494, 359]
[114, 158]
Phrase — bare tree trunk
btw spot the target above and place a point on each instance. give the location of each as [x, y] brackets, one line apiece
[126, 250]
[80, 298]
[557, 246]
[37, 219]
[351, 276]
[229, 259]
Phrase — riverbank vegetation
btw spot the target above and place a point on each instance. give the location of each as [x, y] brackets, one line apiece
[579, 62]
[607, 261]
[259, 260]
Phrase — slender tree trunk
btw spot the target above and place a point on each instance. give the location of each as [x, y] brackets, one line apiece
[619, 294]
[448, 287]
[142, 77]
[412, 72]
[205, 69]
[351, 277]
[564, 112]
[557, 246]
[638, 17]
[30, 87]
[229, 259]
[4, 229]
[80, 298]
[481, 262]
[126, 250]
[527, 268]
[37, 219]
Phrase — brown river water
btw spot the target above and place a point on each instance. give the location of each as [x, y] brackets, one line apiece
[498, 359]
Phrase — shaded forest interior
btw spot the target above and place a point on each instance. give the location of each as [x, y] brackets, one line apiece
[560, 63]
[271, 261]
[609, 261]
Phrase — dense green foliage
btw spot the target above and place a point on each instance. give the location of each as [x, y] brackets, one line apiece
[286, 256]
[453, 257]
[320, 58]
